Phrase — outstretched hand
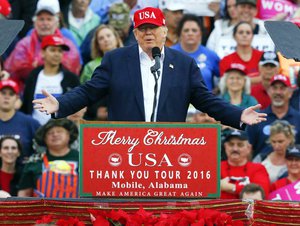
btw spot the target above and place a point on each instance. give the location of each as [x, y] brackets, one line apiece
[250, 116]
[49, 104]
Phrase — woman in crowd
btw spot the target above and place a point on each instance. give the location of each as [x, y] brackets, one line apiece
[105, 38]
[235, 86]
[190, 37]
[10, 151]
[292, 157]
[282, 136]
[223, 26]
[245, 54]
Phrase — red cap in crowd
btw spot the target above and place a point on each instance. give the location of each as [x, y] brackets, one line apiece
[149, 15]
[281, 78]
[11, 84]
[236, 67]
[5, 8]
[54, 40]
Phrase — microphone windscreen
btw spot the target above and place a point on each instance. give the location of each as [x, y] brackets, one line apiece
[155, 52]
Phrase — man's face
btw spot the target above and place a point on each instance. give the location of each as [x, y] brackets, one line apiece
[253, 195]
[56, 137]
[280, 94]
[237, 150]
[45, 24]
[149, 36]
[8, 99]
[246, 12]
[266, 72]
[173, 18]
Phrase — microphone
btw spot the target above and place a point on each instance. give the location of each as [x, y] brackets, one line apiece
[156, 56]
[156, 73]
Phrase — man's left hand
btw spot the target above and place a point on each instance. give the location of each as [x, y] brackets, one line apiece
[251, 117]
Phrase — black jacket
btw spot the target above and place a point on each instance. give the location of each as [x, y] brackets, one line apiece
[68, 82]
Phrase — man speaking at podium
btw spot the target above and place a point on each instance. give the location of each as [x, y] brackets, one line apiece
[148, 82]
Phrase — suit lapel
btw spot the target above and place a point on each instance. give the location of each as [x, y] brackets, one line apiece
[133, 63]
[168, 71]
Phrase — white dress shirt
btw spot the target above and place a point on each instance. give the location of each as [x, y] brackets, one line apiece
[148, 82]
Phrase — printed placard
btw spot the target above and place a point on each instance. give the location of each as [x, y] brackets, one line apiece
[150, 160]
[290, 192]
[202, 8]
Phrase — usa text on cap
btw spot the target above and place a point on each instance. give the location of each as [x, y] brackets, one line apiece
[54, 40]
[281, 78]
[149, 15]
[11, 84]
[236, 67]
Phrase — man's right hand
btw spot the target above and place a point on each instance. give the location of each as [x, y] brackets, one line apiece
[49, 104]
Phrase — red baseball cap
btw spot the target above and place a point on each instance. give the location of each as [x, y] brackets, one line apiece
[11, 84]
[281, 78]
[236, 67]
[5, 8]
[149, 15]
[54, 40]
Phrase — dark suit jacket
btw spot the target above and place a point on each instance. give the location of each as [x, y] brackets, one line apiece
[119, 75]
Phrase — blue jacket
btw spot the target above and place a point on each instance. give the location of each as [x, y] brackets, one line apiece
[119, 75]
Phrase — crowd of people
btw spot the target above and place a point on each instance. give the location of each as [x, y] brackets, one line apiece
[64, 42]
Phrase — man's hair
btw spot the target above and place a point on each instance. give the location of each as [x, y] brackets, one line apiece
[252, 188]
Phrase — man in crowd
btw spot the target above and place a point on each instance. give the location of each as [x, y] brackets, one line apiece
[53, 173]
[237, 171]
[13, 122]
[268, 67]
[173, 13]
[252, 191]
[280, 92]
[27, 53]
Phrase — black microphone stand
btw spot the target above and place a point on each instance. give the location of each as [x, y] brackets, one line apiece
[156, 73]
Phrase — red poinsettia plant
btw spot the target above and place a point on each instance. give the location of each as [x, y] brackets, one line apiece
[201, 217]
[71, 221]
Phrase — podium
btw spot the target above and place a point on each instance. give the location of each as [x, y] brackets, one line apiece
[146, 160]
